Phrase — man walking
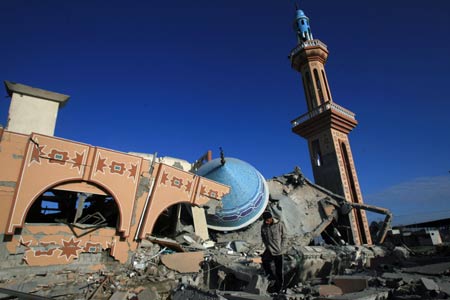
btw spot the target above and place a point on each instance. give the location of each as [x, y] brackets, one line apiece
[273, 235]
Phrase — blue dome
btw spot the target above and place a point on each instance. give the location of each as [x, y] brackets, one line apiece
[248, 196]
[301, 26]
[299, 13]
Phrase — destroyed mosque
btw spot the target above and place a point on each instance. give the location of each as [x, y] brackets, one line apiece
[79, 221]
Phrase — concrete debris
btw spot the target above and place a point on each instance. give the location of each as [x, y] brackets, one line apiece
[401, 253]
[429, 284]
[318, 262]
[231, 295]
[329, 290]
[119, 296]
[148, 294]
[351, 284]
[186, 262]
[311, 272]
[368, 294]
[444, 287]
[239, 246]
[191, 293]
[432, 269]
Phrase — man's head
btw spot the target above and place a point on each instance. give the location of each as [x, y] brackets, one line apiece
[267, 217]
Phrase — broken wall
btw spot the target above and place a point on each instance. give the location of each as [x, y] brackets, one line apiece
[37, 164]
[12, 148]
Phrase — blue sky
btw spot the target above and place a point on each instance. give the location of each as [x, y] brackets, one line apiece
[182, 77]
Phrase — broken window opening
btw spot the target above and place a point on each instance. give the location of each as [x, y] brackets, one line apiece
[173, 220]
[80, 209]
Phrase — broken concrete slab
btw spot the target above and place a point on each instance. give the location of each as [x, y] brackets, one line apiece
[239, 246]
[257, 285]
[444, 285]
[432, 269]
[232, 295]
[184, 293]
[329, 290]
[200, 225]
[351, 284]
[9, 294]
[119, 295]
[147, 294]
[408, 278]
[166, 242]
[429, 284]
[185, 262]
[368, 294]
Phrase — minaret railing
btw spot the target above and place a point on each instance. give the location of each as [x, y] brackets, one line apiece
[305, 44]
[320, 109]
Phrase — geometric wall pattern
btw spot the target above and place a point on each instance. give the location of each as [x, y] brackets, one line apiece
[50, 161]
[172, 186]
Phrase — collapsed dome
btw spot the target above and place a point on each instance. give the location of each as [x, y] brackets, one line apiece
[247, 199]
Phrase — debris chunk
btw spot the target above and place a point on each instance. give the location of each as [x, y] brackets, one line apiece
[185, 262]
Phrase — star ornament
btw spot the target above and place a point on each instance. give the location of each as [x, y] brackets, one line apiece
[36, 154]
[101, 164]
[70, 248]
[77, 161]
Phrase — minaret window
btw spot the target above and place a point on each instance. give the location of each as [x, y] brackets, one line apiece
[318, 85]
[317, 155]
[307, 96]
[326, 85]
[310, 87]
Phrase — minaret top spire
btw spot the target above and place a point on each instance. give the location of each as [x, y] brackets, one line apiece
[301, 26]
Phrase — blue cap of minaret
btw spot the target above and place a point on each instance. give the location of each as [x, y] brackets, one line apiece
[301, 26]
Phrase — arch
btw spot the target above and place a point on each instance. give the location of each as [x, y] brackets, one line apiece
[26, 204]
[156, 213]
[50, 161]
[173, 186]
[166, 222]
[75, 202]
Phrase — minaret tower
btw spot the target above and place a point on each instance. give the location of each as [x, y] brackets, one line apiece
[326, 126]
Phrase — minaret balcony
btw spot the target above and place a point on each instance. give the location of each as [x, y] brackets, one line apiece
[327, 115]
[308, 43]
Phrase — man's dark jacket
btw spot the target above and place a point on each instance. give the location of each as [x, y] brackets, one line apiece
[274, 237]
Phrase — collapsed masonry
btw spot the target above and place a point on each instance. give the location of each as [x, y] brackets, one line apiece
[184, 267]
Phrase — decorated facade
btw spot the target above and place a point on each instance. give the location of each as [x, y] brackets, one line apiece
[61, 198]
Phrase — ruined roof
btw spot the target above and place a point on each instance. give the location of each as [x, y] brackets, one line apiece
[12, 87]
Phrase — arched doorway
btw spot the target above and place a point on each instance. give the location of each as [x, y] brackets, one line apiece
[85, 208]
[173, 220]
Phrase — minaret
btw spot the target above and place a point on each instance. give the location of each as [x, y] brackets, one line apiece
[326, 126]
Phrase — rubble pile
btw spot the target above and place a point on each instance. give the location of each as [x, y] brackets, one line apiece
[232, 271]
[318, 263]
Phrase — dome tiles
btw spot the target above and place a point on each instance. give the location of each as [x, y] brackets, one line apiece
[246, 201]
